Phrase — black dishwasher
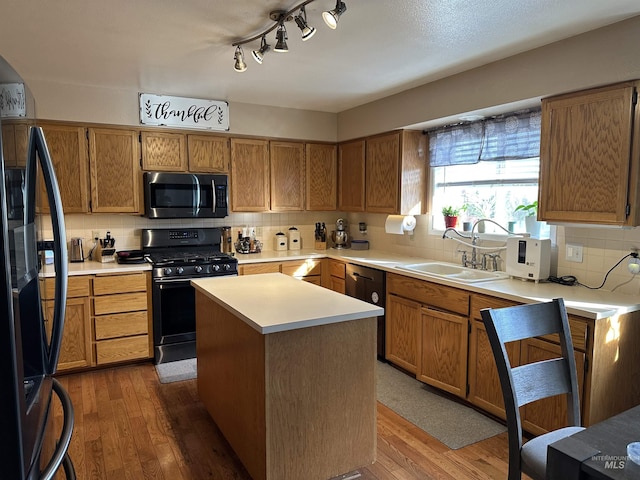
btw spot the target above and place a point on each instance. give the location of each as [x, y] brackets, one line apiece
[367, 284]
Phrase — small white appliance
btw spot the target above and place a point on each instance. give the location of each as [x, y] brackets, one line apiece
[528, 258]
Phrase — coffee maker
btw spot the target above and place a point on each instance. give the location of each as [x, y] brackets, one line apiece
[340, 235]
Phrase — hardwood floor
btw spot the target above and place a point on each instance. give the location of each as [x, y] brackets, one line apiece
[130, 426]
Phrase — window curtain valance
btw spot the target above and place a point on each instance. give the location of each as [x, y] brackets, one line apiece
[512, 136]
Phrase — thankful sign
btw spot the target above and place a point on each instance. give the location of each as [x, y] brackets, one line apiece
[12, 100]
[183, 112]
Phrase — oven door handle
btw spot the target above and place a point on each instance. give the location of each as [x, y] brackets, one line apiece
[172, 280]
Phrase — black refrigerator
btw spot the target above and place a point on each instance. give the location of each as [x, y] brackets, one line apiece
[32, 447]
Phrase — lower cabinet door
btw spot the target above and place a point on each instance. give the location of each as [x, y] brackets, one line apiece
[551, 413]
[443, 342]
[402, 324]
[75, 350]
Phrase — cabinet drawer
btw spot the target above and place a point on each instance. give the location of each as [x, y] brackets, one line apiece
[302, 268]
[578, 334]
[480, 302]
[121, 325]
[77, 286]
[122, 349]
[439, 296]
[120, 303]
[108, 284]
[256, 268]
[337, 269]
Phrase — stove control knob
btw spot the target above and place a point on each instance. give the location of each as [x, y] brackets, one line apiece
[168, 271]
[227, 267]
[215, 268]
[198, 268]
[180, 270]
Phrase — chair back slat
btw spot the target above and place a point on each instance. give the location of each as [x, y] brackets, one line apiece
[526, 321]
[539, 380]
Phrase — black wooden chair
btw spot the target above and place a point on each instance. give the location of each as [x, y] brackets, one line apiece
[527, 383]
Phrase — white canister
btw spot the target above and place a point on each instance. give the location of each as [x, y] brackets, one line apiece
[294, 239]
[280, 243]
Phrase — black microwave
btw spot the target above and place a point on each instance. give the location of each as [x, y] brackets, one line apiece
[185, 195]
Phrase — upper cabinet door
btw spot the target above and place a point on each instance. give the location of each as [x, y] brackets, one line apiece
[249, 175]
[322, 179]
[208, 153]
[287, 176]
[588, 173]
[164, 151]
[382, 173]
[114, 158]
[351, 165]
[68, 149]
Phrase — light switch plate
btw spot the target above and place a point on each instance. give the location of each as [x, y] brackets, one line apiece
[574, 253]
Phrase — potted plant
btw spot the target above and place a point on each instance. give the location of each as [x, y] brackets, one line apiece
[450, 216]
[530, 220]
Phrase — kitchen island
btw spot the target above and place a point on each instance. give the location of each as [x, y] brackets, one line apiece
[287, 371]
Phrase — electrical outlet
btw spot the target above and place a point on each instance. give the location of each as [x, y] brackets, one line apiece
[95, 234]
[574, 253]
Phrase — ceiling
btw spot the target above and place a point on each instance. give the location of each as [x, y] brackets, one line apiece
[184, 48]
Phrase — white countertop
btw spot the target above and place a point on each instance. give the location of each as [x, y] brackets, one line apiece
[274, 302]
[89, 267]
[594, 304]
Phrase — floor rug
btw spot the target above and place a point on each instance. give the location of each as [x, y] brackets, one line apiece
[177, 371]
[453, 423]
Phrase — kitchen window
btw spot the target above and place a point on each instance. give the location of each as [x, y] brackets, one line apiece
[486, 168]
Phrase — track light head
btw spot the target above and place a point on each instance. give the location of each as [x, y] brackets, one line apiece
[281, 39]
[258, 55]
[301, 21]
[240, 65]
[331, 17]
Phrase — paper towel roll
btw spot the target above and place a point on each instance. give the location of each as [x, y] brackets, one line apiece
[398, 224]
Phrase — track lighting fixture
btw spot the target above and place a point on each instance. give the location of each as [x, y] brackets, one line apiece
[239, 66]
[258, 55]
[281, 39]
[301, 20]
[331, 17]
[280, 17]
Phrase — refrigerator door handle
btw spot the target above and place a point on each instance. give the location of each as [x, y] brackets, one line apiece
[60, 456]
[38, 145]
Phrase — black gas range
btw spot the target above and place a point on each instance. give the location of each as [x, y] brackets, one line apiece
[178, 256]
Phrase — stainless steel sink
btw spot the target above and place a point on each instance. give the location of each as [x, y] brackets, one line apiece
[453, 272]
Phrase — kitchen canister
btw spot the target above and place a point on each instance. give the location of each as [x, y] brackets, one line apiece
[294, 239]
[280, 242]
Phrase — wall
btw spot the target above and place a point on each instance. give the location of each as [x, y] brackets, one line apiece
[602, 56]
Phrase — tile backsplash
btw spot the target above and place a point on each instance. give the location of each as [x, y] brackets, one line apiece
[602, 247]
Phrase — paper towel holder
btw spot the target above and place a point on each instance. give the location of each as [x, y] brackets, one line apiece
[398, 224]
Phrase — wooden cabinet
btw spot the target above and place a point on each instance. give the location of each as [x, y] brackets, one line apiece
[590, 157]
[551, 413]
[164, 151]
[208, 153]
[442, 361]
[383, 174]
[114, 165]
[15, 142]
[121, 319]
[75, 350]
[351, 176]
[484, 382]
[426, 330]
[321, 177]
[68, 149]
[287, 176]
[309, 270]
[336, 276]
[402, 329]
[249, 175]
